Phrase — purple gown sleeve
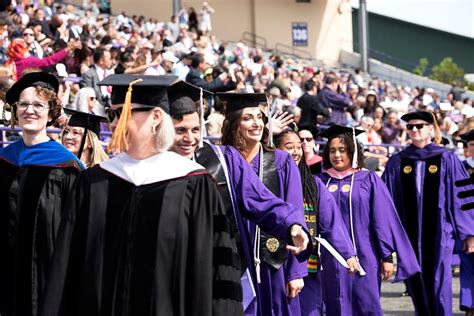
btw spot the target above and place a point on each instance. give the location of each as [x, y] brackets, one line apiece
[290, 188]
[390, 235]
[257, 203]
[463, 221]
[331, 226]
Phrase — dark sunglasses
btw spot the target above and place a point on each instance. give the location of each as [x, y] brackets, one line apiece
[307, 139]
[113, 113]
[418, 126]
[28, 34]
[91, 98]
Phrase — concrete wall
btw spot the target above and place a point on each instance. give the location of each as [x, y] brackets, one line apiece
[329, 21]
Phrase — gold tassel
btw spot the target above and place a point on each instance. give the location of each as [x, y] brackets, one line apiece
[437, 139]
[119, 141]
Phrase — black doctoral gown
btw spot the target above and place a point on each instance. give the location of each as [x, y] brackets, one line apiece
[35, 181]
[153, 247]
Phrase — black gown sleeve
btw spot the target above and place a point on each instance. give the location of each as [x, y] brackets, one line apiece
[218, 246]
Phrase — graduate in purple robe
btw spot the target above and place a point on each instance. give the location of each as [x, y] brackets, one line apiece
[421, 180]
[279, 274]
[372, 222]
[245, 197]
[323, 218]
[466, 300]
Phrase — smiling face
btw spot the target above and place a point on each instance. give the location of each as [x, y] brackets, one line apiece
[291, 144]
[187, 135]
[30, 120]
[72, 137]
[339, 155]
[251, 125]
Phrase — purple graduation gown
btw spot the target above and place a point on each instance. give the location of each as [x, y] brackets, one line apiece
[255, 204]
[331, 227]
[431, 290]
[466, 300]
[273, 300]
[378, 232]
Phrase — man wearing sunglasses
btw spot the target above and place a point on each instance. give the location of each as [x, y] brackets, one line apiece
[421, 179]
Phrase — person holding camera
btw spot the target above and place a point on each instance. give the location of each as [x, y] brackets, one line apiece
[334, 98]
[195, 76]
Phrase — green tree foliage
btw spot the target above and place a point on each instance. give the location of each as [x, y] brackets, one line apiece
[421, 68]
[447, 71]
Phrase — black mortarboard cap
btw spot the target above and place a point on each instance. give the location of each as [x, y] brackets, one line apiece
[336, 130]
[310, 128]
[418, 115]
[183, 97]
[468, 136]
[86, 120]
[238, 101]
[32, 79]
[151, 91]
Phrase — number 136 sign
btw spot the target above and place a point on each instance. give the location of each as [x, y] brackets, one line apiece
[299, 32]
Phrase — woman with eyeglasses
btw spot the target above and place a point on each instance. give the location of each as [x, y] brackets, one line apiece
[80, 137]
[279, 274]
[85, 101]
[147, 232]
[37, 174]
[19, 57]
[372, 222]
[323, 219]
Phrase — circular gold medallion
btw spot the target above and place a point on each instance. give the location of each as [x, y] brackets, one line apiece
[272, 244]
[470, 171]
[432, 169]
[407, 169]
[333, 188]
[346, 188]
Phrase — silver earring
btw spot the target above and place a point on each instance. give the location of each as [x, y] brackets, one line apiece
[153, 129]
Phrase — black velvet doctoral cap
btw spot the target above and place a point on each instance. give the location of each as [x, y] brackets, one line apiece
[239, 101]
[418, 115]
[151, 91]
[336, 130]
[183, 97]
[468, 136]
[88, 121]
[33, 79]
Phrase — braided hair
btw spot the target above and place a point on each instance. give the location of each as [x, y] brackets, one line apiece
[310, 190]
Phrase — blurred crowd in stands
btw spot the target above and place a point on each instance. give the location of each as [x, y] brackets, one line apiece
[84, 45]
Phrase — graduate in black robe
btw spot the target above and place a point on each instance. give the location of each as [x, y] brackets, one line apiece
[146, 233]
[37, 174]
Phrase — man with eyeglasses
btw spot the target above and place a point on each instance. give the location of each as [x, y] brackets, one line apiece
[307, 134]
[421, 179]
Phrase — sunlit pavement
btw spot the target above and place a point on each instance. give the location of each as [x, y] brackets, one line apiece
[394, 304]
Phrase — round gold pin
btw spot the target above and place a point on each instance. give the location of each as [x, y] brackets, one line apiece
[346, 188]
[333, 188]
[433, 169]
[407, 169]
[272, 244]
